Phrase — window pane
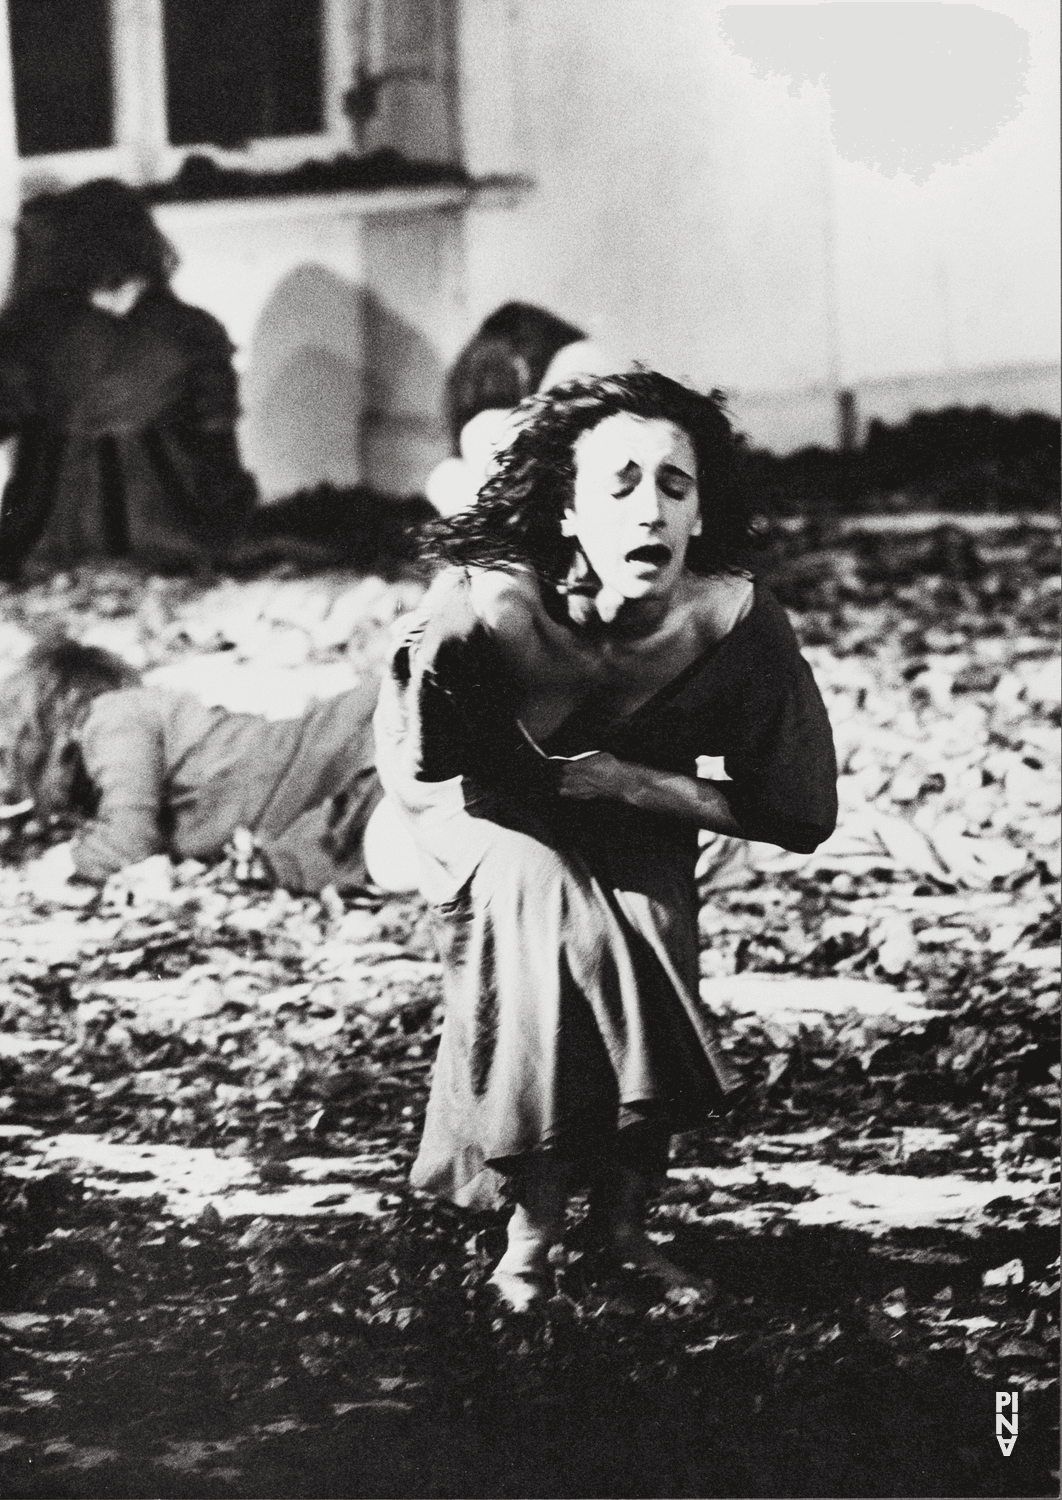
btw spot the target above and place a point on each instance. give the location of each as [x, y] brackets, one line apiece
[60, 55]
[242, 69]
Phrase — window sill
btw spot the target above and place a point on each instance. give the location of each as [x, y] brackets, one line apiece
[493, 192]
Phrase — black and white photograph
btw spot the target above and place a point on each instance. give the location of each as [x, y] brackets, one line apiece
[530, 707]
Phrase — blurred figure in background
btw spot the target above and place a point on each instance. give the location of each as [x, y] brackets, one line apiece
[504, 361]
[518, 350]
[151, 771]
[121, 397]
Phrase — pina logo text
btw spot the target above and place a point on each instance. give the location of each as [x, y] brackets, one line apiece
[1007, 1424]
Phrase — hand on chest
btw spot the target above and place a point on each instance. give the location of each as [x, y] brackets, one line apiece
[560, 673]
[560, 669]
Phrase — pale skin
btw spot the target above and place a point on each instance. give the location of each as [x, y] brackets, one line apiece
[119, 300]
[635, 509]
[635, 489]
[635, 486]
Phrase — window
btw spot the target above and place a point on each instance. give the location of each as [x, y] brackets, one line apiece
[61, 62]
[242, 70]
[130, 88]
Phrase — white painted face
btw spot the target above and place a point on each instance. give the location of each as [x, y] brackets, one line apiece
[119, 301]
[635, 505]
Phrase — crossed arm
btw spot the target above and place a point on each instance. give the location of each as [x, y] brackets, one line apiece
[776, 813]
[669, 792]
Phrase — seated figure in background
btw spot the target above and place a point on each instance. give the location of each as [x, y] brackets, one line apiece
[122, 399]
[518, 350]
[154, 771]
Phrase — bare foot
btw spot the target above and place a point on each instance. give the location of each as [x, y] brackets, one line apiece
[519, 1290]
[522, 1277]
[638, 1251]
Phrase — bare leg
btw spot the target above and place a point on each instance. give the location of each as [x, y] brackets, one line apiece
[521, 1277]
[389, 851]
[617, 1221]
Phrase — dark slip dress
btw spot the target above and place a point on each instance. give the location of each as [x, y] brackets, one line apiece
[569, 928]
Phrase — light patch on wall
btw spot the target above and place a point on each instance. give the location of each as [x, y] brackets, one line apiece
[913, 84]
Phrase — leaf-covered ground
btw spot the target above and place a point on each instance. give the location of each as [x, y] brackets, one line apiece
[216, 1282]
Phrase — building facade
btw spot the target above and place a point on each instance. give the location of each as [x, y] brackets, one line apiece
[680, 177]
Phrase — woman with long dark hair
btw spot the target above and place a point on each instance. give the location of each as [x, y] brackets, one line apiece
[595, 632]
[122, 399]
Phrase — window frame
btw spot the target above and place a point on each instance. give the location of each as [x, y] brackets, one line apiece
[142, 153]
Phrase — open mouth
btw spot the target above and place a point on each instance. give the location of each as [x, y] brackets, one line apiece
[655, 554]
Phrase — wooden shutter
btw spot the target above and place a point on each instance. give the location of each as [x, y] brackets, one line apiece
[406, 75]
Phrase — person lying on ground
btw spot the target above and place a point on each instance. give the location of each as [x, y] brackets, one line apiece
[593, 633]
[151, 771]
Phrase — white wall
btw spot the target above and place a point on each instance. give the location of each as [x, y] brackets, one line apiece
[677, 211]
[705, 214]
[697, 200]
[286, 282]
[960, 270]
[338, 308]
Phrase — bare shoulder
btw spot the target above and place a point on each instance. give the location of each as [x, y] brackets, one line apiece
[508, 603]
[534, 648]
[719, 602]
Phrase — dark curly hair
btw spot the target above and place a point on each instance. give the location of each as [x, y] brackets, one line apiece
[87, 238]
[516, 520]
[43, 704]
